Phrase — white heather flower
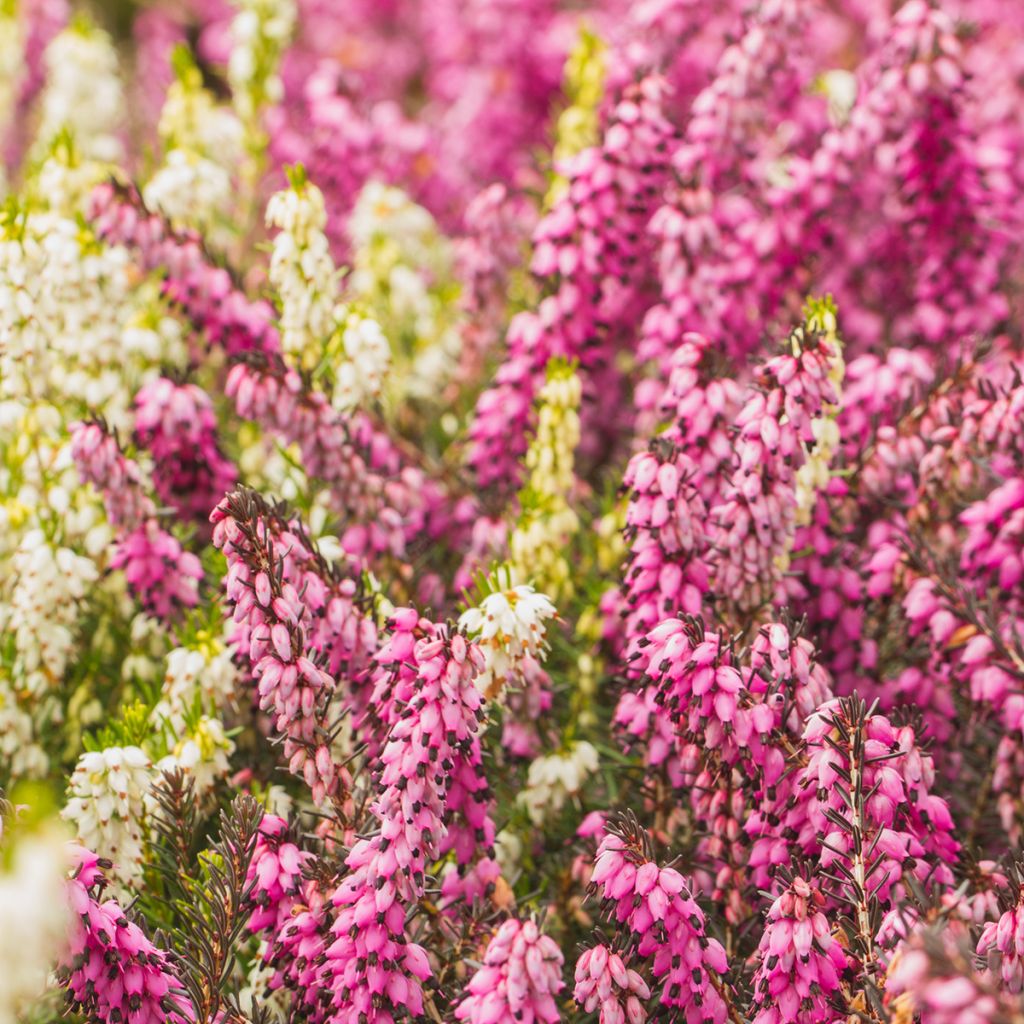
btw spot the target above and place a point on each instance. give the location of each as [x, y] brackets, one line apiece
[203, 753]
[189, 190]
[192, 120]
[403, 274]
[35, 917]
[258, 984]
[386, 212]
[539, 542]
[260, 31]
[551, 780]
[303, 272]
[813, 475]
[508, 851]
[509, 625]
[107, 805]
[278, 801]
[83, 94]
[49, 584]
[22, 757]
[314, 324]
[368, 356]
[207, 676]
[65, 303]
[840, 89]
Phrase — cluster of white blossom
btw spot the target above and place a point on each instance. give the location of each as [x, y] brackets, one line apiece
[203, 677]
[84, 97]
[203, 753]
[260, 31]
[509, 624]
[22, 756]
[67, 307]
[548, 521]
[198, 684]
[49, 584]
[202, 143]
[188, 189]
[403, 271]
[360, 376]
[315, 325]
[303, 272]
[554, 778]
[107, 806]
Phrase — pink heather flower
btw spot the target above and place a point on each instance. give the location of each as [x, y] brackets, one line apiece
[800, 961]
[934, 978]
[176, 423]
[101, 463]
[652, 909]
[205, 292]
[906, 826]
[519, 979]
[296, 952]
[603, 982]
[112, 971]
[275, 875]
[159, 571]
[372, 969]
[665, 573]
[1001, 945]
[389, 503]
[686, 392]
[291, 683]
[755, 519]
[591, 247]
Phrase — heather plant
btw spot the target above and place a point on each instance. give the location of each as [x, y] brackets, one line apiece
[511, 511]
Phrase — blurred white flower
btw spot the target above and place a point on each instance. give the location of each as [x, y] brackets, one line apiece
[554, 778]
[35, 916]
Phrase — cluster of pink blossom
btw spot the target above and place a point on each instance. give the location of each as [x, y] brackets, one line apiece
[519, 980]
[113, 971]
[176, 424]
[163, 575]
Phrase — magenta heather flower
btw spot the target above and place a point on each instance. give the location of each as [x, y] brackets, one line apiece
[176, 423]
[112, 971]
[291, 683]
[372, 970]
[159, 571]
[605, 983]
[800, 961]
[519, 979]
[662, 922]
[162, 574]
[589, 246]
[275, 874]
[1001, 944]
